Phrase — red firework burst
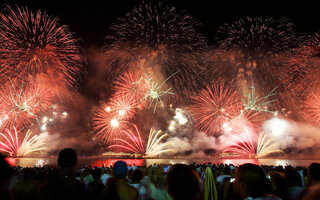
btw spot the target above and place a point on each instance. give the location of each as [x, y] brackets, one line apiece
[21, 106]
[312, 107]
[122, 106]
[108, 123]
[131, 84]
[34, 44]
[134, 143]
[213, 106]
[241, 142]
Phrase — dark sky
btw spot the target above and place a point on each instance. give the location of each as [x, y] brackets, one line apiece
[90, 19]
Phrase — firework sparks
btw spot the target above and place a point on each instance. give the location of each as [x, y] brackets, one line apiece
[312, 107]
[131, 84]
[123, 107]
[135, 143]
[260, 38]
[22, 105]
[242, 142]
[214, 106]
[155, 92]
[34, 44]
[265, 44]
[170, 39]
[259, 104]
[266, 146]
[154, 146]
[108, 125]
[10, 143]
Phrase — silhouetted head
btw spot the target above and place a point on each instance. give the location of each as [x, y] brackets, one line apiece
[67, 158]
[314, 172]
[183, 183]
[137, 175]
[250, 180]
[120, 169]
[5, 172]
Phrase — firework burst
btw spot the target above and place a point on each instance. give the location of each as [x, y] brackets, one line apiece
[266, 146]
[241, 142]
[123, 107]
[156, 91]
[214, 106]
[21, 106]
[108, 124]
[163, 37]
[35, 45]
[266, 45]
[135, 144]
[312, 107]
[131, 84]
[9, 143]
[259, 38]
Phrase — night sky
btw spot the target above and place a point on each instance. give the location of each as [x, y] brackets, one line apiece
[89, 20]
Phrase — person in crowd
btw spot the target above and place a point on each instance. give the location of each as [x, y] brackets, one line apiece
[183, 183]
[251, 183]
[117, 187]
[279, 185]
[136, 177]
[156, 189]
[95, 188]
[295, 188]
[210, 189]
[5, 173]
[26, 187]
[313, 190]
[65, 186]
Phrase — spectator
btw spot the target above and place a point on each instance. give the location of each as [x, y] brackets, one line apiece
[156, 188]
[210, 189]
[95, 187]
[313, 191]
[117, 187]
[65, 186]
[251, 182]
[295, 184]
[137, 176]
[183, 183]
[5, 174]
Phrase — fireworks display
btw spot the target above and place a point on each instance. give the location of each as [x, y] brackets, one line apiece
[157, 71]
[35, 45]
[155, 92]
[10, 143]
[107, 124]
[162, 36]
[131, 84]
[266, 146]
[155, 145]
[214, 106]
[312, 107]
[241, 142]
[260, 38]
[22, 105]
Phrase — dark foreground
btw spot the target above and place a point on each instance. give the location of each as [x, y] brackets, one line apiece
[138, 179]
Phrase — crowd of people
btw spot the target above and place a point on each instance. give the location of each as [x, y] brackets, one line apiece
[158, 182]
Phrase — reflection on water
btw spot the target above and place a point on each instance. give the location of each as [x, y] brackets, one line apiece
[98, 161]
